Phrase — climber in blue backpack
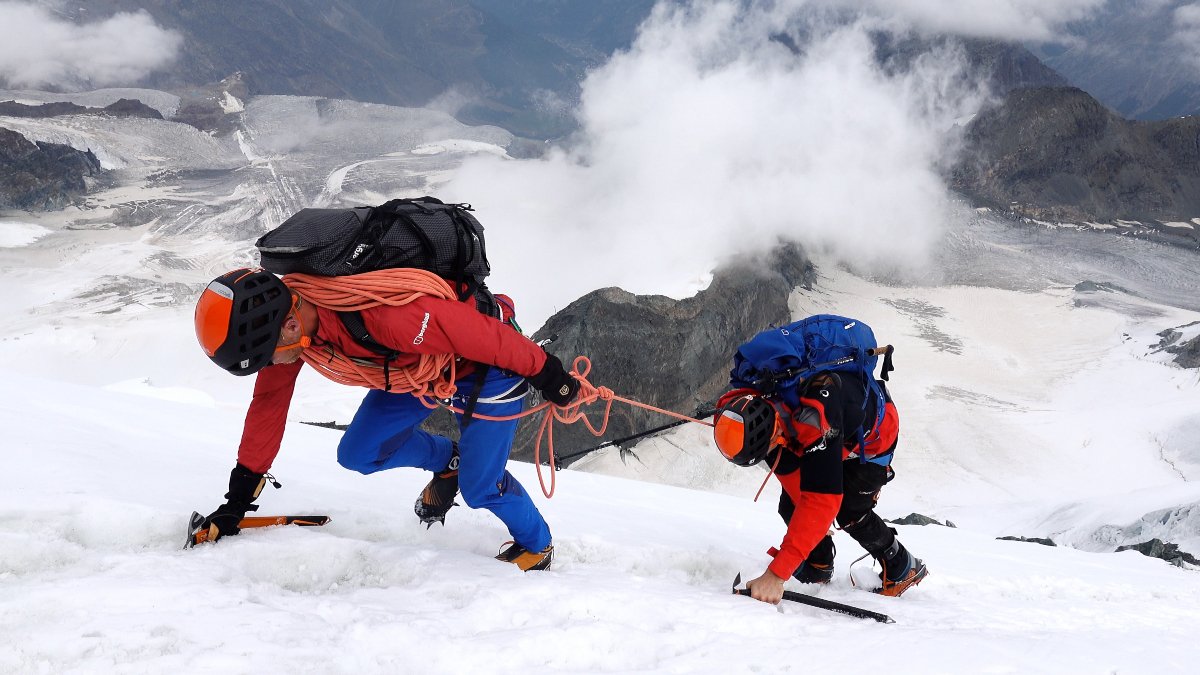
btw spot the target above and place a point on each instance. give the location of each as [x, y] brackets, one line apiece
[805, 400]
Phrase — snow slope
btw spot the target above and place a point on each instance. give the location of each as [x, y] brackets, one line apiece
[99, 483]
[104, 465]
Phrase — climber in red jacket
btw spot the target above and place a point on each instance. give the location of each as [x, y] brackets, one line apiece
[249, 322]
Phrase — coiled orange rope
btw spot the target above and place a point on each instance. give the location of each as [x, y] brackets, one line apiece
[432, 377]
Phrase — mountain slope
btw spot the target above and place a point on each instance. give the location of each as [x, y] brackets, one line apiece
[1139, 58]
[1058, 154]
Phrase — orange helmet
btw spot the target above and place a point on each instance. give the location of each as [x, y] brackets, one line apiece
[746, 428]
[239, 317]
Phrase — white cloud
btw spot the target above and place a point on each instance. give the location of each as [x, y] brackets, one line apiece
[1186, 25]
[1035, 20]
[708, 138]
[38, 49]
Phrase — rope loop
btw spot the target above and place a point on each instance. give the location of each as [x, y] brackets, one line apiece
[431, 375]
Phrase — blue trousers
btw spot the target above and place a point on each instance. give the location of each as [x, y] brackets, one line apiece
[384, 434]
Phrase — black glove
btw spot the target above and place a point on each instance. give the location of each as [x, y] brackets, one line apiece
[244, 488]
[555, 383]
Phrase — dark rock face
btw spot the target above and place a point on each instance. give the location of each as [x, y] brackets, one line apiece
[131, 107]
[53, 109]
[1156, 548]
[122, 108]
[1035, 540]
[1057, 154]
[1187, 353]
[41, 176]
[667, 353]
[203, 114]
[919, 519]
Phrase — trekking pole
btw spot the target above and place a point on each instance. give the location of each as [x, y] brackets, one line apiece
[818, 602]
[700, 414]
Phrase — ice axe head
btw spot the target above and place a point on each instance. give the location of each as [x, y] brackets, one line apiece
[737, 581]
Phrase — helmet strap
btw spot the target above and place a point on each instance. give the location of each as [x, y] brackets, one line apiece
[774, 465]
[304, 342]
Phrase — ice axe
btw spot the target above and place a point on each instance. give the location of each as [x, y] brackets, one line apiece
[701, 413]
[818, 602]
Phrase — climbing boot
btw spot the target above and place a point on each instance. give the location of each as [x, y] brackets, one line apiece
[525, 559]
[818, 567]
[813, 573]
[438, 496]
[902, 572]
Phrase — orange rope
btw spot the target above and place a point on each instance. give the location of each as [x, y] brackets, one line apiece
[434, 374]
[570, 414]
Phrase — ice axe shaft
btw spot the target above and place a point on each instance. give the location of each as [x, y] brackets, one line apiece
[819, 603]
[700, 414]
[197, 534]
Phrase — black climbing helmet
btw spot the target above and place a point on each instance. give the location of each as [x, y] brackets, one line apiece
[746, 429]
[239, 317]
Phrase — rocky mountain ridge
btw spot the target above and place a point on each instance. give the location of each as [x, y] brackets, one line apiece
[122, 108]
[42, 176]
[1056, 154]
[674, 353]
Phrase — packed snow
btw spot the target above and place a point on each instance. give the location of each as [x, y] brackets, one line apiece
[17, 234]
[109, 450]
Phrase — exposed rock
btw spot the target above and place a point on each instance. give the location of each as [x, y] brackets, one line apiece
[203, 113]
[1056, 154]
[1187, 353]
[673, 354]
[207, 108]
[919, 519]
[1157, 548]
[1035, 540]
[41, 176]
[127, 107]
[121, 108]
[53, 109]
[1088, 286]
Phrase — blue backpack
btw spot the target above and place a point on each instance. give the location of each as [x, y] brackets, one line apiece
[776, 360]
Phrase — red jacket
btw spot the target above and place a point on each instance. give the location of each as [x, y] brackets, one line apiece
[427, 325]
[810, 471]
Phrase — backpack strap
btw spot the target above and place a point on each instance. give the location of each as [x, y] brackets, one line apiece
[353, 321]
[469, 408]
[485, 302]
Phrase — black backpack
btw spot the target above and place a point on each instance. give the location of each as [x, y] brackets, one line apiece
[424, 233]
